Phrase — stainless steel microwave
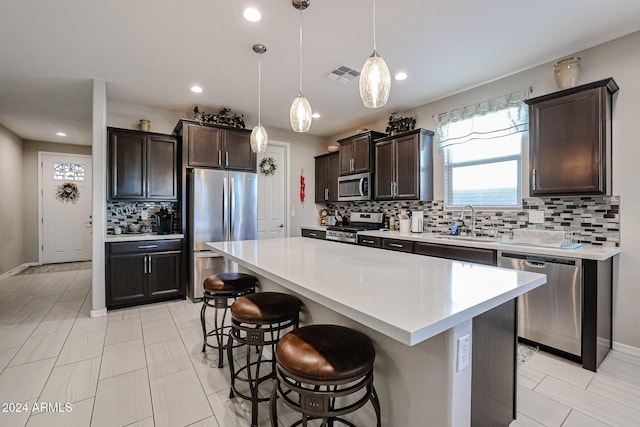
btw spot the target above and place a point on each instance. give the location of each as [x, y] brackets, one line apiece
[354, 187]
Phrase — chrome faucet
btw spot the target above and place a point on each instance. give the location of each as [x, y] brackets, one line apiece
[473, 218]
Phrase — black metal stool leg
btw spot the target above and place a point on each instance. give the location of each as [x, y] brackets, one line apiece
[273, 406]
[204, 324]
[231, 364]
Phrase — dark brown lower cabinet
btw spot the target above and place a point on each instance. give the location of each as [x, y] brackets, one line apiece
[143, 272]
[493, 366]
[460, 253]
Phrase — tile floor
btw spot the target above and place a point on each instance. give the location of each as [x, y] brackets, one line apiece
[143, 366]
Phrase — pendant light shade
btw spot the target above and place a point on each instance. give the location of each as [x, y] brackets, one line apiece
[375, 78]
[300, 112]
[259, 139]
[375, 82]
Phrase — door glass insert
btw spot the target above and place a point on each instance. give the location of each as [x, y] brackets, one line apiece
[68, 172]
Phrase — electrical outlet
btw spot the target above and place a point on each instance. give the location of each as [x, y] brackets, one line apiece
[144, 214]
[536, 216]
[463, 353]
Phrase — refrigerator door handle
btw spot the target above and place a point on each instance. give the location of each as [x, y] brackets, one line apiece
[232, 202]
[225, 209]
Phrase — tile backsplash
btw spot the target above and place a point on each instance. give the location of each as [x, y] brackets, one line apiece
[594, 220]
[124, 213]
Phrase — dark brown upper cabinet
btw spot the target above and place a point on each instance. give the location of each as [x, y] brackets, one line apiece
[404, 166]
[327, 166]
[142, 165]
[356, 152]
[570, 141]
[219, 147]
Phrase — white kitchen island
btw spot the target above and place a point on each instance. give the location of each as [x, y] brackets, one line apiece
[413, 307]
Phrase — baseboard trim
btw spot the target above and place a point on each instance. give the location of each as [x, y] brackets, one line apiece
[18, 269]
[626, 349]
[98, 313]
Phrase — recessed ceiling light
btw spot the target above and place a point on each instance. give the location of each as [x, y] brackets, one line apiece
[196, 89]
[61, 134]
[401, 76]
[315, 115]
[252, 14]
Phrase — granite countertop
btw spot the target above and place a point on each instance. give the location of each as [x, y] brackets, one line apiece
[136, 237]
[408, 297]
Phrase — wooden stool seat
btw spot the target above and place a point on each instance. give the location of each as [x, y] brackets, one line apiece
[265, 307]
[229, 282]
[326, 353]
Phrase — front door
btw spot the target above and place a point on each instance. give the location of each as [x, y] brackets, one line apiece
[272, 191]
[65, 207]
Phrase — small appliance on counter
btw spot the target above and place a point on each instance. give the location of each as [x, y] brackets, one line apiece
[417, 222]
[164, 221]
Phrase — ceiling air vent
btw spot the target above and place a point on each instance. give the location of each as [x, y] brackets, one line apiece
[343, 74]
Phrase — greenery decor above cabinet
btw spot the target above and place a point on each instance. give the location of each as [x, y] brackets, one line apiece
[570, 141]
[219, 147]
[404, 166]
[142, 166]
[327, 178]
[356, 152]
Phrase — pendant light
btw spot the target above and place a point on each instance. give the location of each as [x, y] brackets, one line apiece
[300, 113]
[375, 78]
[259, 139]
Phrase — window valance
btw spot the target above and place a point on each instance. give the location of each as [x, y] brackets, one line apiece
[501, 116]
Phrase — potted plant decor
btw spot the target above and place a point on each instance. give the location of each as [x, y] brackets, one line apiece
[398, 124]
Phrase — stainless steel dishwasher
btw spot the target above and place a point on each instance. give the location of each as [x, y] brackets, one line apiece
[550, 315]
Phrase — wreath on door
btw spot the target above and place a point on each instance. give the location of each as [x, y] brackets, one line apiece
[268, 166]
[68, 193]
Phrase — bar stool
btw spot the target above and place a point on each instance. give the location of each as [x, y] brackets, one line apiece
[258, 320]
[324, 372]
[220, 288]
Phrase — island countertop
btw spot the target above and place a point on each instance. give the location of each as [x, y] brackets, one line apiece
[408, 297]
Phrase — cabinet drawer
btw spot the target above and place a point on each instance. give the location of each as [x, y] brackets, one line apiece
[314, 234]
[397, 245]
[477, 255]
[374, 242]
[145, 246]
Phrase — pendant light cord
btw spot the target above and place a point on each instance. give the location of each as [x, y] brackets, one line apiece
[300, 51]
[374, 25]
[259, 87]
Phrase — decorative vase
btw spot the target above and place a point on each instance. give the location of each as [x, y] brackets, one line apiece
[145, 125]
[566, 72]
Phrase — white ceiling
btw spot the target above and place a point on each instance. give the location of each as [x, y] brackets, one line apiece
[151, 52]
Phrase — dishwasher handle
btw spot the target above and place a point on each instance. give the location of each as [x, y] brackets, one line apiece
[535, 264]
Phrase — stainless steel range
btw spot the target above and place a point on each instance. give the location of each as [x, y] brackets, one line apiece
[358, 221]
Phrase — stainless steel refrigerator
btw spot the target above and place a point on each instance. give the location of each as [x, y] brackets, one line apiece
[223, 206]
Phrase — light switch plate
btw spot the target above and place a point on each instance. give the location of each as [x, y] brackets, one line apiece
[536, 216]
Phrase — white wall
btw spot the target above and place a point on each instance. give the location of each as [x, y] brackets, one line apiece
[619, 59]
[11, 202]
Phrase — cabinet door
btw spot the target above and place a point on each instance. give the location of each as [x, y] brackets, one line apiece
[567, 145]
[237, 151]
[384, 177]
[406, 167]
[361, 154]
[162, 173]
[346, 157]
[322, 179]
[164, 273]
[127, 165]
[127, 280]
[334, 172]
[204, 146]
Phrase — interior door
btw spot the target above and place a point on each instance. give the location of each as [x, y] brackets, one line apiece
[272, 196]
[65, 223]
